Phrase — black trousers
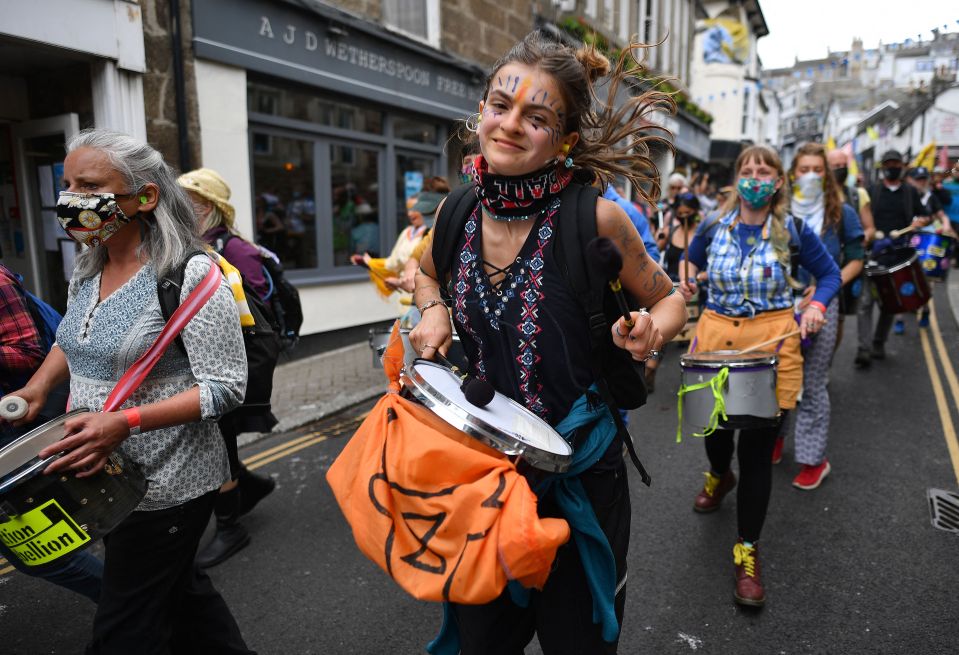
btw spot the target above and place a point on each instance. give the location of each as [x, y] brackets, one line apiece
[155, 601]
[755, 450]
[562, 613]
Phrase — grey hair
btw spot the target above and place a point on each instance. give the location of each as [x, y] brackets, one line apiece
[170, 233]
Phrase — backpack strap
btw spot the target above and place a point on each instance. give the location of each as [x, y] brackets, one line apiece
[448, 229]
[168, 290]
[795, 227]
[577, 227]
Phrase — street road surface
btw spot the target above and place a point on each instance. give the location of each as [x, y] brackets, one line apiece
[853, 567]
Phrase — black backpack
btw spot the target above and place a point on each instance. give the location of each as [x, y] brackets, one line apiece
[618, 376]
[283, 299]
[261, 343]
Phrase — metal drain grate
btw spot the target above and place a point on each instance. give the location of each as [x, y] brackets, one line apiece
[944, 509]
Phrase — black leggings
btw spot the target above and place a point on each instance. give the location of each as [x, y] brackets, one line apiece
[755, 472]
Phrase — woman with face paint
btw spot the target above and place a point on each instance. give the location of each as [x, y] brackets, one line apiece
[818, 201]
[526, 333]
[746, 250]
[123, 203]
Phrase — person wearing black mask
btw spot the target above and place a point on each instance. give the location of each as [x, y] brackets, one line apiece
[855, 197]
[894, 206]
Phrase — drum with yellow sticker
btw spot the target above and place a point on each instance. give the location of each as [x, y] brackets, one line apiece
[44, 517]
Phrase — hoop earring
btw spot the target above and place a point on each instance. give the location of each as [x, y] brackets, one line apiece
[473, 121]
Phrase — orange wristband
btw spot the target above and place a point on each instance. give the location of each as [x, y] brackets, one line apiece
[818, 305]
[133, 420]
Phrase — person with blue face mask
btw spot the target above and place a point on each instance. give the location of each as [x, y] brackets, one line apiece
[748, 249]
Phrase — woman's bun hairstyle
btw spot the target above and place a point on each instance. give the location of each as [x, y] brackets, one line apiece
[615, 141]
[596, 65]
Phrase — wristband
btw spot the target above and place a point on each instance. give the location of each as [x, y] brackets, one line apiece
[818, 305]
[133, 420]
[431, 303]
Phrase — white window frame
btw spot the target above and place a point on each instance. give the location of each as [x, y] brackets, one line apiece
[590, 9]
[432, 25]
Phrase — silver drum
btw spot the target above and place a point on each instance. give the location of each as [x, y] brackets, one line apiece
[749, 392]
[380, 337]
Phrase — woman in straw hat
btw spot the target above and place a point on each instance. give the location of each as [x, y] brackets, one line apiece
[210, 195]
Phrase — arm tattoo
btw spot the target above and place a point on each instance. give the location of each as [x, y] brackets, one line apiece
[652, 285]
[631, 243]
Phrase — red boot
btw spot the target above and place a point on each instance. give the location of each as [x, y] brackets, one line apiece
[714, 491]
[749, 585]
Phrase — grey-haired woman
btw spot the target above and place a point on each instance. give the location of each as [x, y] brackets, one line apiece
[154, 599]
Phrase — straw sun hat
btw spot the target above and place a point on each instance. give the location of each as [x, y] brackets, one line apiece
[208, 184]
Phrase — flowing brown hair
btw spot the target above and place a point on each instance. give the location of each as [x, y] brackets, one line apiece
[832, 193]
[614, 141]
[778, 205]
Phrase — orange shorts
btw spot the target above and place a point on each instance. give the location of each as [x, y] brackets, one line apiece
[718, 332]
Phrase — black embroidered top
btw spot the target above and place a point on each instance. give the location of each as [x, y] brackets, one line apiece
[527, 334]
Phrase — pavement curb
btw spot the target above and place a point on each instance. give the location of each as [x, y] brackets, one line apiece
[952, 291]
[288, 387]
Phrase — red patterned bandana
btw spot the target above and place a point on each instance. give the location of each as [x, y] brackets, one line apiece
[518, 197]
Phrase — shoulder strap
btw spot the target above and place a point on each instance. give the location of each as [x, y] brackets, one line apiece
[795, 227]
[221, 242]
[577, 227]
[174, 325]
[168, 289]
[448, 229]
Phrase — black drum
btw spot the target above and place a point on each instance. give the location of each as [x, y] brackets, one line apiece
[44, 517]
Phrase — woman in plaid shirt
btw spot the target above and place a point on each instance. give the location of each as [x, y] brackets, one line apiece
[746, 251]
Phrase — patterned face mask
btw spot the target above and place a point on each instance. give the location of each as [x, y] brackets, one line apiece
[756, 192]
[90, 218]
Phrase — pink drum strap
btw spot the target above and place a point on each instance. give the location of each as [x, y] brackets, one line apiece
[134, 377]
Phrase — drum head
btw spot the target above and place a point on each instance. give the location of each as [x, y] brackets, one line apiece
[18, 453]
[503, 424]
[727, 358]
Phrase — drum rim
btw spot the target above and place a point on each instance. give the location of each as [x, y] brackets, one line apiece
[32, 433]
[877, 269]
[479, 429]
[763, 359]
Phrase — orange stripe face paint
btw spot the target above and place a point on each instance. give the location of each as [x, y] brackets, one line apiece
[523, 89]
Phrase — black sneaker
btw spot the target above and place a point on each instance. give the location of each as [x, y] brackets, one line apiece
[863, 358]
[878, 350]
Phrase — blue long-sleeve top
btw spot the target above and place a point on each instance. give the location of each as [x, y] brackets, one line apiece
[745, 276]
[636, 216]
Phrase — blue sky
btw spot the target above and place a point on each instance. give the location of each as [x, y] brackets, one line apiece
[801, 29]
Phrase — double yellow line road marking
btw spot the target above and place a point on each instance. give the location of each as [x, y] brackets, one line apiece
[276, 452]
[945, 413]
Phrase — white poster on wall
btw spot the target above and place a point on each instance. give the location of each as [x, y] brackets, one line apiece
[52, 232]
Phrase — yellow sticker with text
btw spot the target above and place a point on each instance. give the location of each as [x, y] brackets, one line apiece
[42, 534]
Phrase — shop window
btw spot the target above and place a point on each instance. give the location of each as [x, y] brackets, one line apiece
[417, 18]
[285, 204]
[411, 171]
[305, 105]
[356, 213]
[410, 129]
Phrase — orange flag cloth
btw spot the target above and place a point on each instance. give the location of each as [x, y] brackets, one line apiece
[448, 518]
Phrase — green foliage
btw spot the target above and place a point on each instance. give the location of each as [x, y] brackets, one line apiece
[578, 28]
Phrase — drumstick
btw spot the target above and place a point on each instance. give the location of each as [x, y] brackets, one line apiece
[13, 408]
[895, 234]
[606, 260]
[685, 253]
[478, 392]
[767, 342]
[759, 345]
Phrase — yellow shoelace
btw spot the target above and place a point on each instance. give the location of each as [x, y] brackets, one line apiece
[712, 482]
[745, 556]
